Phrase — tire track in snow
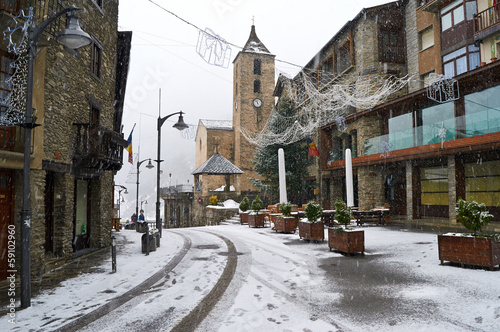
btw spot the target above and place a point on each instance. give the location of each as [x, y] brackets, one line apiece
[129, 295]
[201, 311]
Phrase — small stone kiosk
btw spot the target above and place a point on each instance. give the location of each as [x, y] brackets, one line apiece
[215, 165]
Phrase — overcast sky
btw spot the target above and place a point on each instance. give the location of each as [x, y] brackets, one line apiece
[164, 56]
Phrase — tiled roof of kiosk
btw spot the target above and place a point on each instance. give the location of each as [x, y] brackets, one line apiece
[217, 124]
[217, 164]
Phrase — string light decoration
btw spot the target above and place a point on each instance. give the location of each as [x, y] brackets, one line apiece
[213, 49]
[442, 89]
[322, 103]
[15, 100]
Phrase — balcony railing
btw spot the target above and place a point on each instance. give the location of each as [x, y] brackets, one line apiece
[98, 148]
[43, 9]
[487, 18]
[478, 123]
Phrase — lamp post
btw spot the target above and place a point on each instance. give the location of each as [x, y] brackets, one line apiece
[122, 188]
[149, 165]
[72, 37]
[180, 125]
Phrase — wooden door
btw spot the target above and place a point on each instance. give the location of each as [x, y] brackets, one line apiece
[6, 217]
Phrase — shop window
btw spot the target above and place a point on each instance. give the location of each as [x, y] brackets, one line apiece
[482, 182]
[434, 185]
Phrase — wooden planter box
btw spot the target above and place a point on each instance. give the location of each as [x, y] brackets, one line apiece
[256, 220]
[469, 250]
[311, 231]
[348, 241]
[244, 218]
[285, 224]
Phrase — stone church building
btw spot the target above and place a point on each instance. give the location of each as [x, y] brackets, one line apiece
[253, 100]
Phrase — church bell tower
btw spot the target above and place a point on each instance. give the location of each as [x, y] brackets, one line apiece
[253, 100]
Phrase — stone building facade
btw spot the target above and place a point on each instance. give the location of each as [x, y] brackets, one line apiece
[439, 147]
[78, 98]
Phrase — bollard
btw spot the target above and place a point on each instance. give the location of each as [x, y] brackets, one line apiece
[147, 239]
[113, 254]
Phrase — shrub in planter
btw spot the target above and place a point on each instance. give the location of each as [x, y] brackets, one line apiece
[312, 228]
[256, 218]
[472, 215]
[473, 249]
[244, 207]
[313, 212]
[286, 209]
[286, 222]
[257, 204]
[245, 204]
[345, 239]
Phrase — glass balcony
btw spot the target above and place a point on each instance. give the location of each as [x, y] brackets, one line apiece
[478, 123]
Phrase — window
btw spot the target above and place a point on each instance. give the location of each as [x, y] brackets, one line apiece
[98, 3]
[434, 185]
[390, 47]
[257, 66]
[96, 59]
[460, 61]
[256, 86]
[426, 38]
[344, 57]
[401, 132]
[6, 71]
[452, 14]
[482, 182]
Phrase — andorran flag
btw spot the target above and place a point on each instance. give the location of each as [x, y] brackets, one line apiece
[313, 151]
[129, 147]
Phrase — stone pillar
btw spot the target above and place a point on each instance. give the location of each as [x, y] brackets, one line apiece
[64, 203]
[370, 187]
[37, 205]
[409, 190]
[452, 189]
[101, 211]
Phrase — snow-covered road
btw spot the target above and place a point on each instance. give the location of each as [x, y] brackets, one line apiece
[236, 278]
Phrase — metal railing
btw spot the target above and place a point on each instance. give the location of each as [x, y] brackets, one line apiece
[487, 18]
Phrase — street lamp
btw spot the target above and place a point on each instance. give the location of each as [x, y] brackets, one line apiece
[180, 125]
[149, 165]
[122, 188]
[72, 37]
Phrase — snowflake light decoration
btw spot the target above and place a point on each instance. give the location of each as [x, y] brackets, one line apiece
[213, 49]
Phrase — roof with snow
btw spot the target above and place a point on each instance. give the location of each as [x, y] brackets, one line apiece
[254, 44]
[217, 165]
[217, 124]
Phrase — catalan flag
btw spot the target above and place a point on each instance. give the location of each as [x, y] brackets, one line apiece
[313, 151]
[129, 147]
